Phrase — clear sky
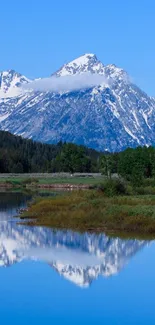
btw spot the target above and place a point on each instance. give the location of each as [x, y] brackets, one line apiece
[37, 37]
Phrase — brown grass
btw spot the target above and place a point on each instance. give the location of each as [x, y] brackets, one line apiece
[93, 211]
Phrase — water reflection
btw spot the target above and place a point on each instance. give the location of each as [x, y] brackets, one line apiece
[80, 258]
[10, 202]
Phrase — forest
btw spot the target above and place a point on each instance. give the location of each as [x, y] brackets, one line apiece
[134, 165]
[18, 155]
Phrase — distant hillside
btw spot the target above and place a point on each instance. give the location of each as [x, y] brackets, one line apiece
[18, 155]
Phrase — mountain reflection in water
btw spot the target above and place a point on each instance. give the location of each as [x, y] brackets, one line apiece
[80, 258]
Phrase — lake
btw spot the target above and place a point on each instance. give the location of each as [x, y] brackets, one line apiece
[50, 276]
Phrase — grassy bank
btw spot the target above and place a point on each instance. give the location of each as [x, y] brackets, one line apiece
[124, 216]
[22, 181]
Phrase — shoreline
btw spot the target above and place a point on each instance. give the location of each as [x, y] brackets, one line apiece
[47, 186]
[49, 181]
[60, 186]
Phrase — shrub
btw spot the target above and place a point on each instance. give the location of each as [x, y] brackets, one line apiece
[30, 181]
[147, 190]
[114, 187]
[12, 182]
[8, 181]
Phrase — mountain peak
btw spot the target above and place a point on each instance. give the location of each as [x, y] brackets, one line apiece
[84, 63]
[10, 83]
[114, 72]
[84, 59]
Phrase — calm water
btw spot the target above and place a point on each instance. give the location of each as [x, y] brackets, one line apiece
[62, 277]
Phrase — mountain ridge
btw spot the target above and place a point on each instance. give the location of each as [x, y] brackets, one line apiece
[111, 116]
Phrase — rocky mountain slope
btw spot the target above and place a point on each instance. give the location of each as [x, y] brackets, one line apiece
[110, 114]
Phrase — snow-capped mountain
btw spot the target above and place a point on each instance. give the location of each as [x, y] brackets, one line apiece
[110, 115]
[85, 63]
[10, 83]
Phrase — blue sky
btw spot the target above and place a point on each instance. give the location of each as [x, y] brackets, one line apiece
[37, 37]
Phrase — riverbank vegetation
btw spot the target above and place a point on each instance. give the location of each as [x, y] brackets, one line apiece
[96, 211]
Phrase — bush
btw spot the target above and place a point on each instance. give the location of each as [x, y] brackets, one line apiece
[8, 181]
[147, 190]
[114, 187]
[149, 182]
[12, 182]
[30, 181]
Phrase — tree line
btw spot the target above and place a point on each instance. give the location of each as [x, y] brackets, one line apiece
[18, 155]
[134, 165]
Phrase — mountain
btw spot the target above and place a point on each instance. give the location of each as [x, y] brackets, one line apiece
[10, 83]
[110, 115]
[85, 63]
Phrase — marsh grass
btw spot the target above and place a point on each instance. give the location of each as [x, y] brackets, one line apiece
[92, 211]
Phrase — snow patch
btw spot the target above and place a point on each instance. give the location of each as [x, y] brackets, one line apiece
[131, 134]
[3, 117]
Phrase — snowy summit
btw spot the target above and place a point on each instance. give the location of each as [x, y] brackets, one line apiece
[99, 106]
